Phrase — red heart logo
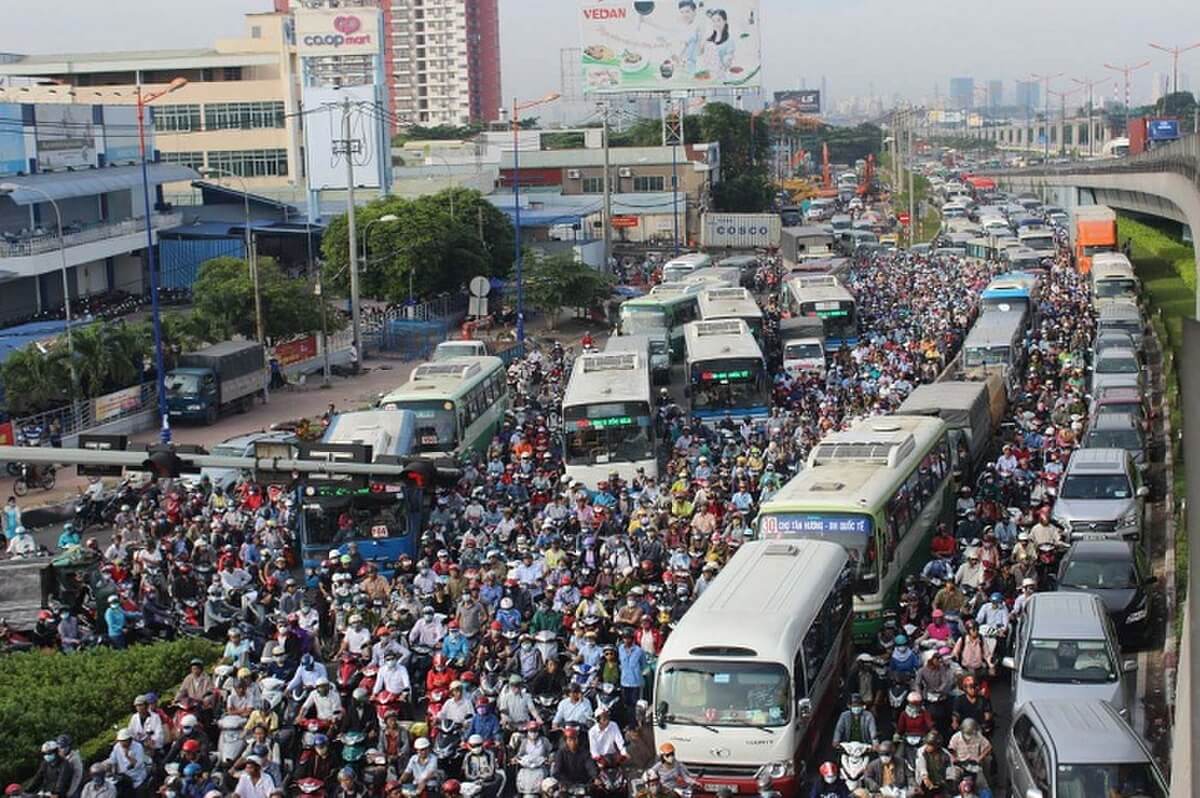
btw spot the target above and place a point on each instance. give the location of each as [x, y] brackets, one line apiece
[347, 25]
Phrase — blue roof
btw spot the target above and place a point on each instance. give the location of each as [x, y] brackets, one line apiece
[22, 335]
[32, 189]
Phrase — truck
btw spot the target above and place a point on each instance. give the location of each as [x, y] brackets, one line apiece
[72, 579]
[801, 244]
[740, 231]
[222, 377]
[1147, 132]
[1094, 229]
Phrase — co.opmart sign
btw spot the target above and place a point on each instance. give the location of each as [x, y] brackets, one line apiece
[337, 32]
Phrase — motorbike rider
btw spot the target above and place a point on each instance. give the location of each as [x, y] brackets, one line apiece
[830, 784]
[971, 704]
[97, 784]
[572, 764]
[969, 745]
[485, 724]
[931, 763]
[605, 737]
[673, 774]
[516, 705]
[573, 709]
[479, 764]
[936, 681]
[885, 770]
[317, 762]
[54, 774]
[856, 724]
[904, 662]
[146, 726]
[324, 701]
[21, 543]
[915, 720]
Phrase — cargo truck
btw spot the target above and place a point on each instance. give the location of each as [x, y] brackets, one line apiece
[1093, 230]
[222, 377]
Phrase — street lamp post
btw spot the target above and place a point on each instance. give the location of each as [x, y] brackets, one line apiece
[1175, 52]
[517, 107]
[144, 100]
[387, 218]
[1126, 70]
[251, 250]
[1091, 86]
[9, 188]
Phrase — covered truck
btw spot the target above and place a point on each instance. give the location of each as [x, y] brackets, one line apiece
[72, 579]
[224, 376]
[967, 408]
[1093, 229]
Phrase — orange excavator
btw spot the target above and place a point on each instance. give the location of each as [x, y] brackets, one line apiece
[827, 189]
[867, 187]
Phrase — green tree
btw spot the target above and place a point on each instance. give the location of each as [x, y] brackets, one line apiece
[224, 293]
[642, 133]
[748, 192]
[36, 380]
[559, 281]
[108, 357]
[1179, 104]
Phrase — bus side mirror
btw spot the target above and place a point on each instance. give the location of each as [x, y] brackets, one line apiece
[660, 714]
[803, 709]
[1008, 662]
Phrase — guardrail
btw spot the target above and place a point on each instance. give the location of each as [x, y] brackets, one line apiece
[87, 414]
[48, 241]
[1181, 157]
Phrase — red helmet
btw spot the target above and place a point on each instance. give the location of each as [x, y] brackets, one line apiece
[452, 625]
[828, 769]
[191, 746]
[381, 631]
[451, 787]
[467, 676]
[588, 591]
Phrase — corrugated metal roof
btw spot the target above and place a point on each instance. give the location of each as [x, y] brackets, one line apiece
[128, 60]
[32, 189]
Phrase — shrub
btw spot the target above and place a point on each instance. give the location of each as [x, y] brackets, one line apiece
[43, 695]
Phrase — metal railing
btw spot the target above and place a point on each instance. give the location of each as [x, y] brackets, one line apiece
[439, 307]
[81, 415]
[47, 241]
[1181, 157]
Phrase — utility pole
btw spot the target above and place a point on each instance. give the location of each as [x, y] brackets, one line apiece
[1175, 52]
[1062, 96]
[1046, 91]
[1126, 71]
[607, 190]
[1091, 85]
[346, 148]
[912, 206]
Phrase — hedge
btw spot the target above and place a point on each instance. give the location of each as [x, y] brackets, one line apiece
[43, 695]
[1151, 242]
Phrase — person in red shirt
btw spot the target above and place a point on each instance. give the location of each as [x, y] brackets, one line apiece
[943, 543]
[915, 720]
[440, 675]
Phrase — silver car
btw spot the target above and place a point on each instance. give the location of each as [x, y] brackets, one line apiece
[1116, 366]
[1101, 495]
[243, 446]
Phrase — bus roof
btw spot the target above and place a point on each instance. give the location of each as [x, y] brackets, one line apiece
[714, 276]
[602, 377]
[639, 344]
[387, 432]
[691, 258]
[762, 602]
[445, 378]
[881, 440]
[995, 328]
[806, 289]
[667, 291]
[726, 338]
[723, 303]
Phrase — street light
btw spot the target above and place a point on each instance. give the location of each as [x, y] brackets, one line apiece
[1126, 70]
[449, 178]
[387, 218]
[144, 100]
[1175, 52]
[251, 253]
[516, 129]
[9, 188]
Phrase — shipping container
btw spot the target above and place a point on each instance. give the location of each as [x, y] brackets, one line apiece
[740, 230]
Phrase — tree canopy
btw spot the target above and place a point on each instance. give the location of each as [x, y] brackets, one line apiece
[558, 281]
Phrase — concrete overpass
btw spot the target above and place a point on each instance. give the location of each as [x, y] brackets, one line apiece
[1164, 182]
[1064, 135]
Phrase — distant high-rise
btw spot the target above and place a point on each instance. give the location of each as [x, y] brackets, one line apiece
[995, 93]
[1160, 86]
[1029, 94]
[962, 92]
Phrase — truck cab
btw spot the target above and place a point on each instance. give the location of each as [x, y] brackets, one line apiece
[224, 376]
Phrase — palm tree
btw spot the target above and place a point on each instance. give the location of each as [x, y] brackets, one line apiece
[35, 380]
[129, 345]
[93, 359]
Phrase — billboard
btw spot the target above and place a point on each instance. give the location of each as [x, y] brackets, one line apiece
[323, 127]
[12, 140]
[804, 101]
[640, 45]
[339, 31]
[66, 136]
[120, 134]
[1162, 129]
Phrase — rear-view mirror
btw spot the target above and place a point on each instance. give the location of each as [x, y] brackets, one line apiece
[1008, 662]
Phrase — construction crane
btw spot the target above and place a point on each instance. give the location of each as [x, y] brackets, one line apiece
[867, 187]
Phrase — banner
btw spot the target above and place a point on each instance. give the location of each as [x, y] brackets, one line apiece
[296, 351]
[114, 404]
[804, 101]
[323, 126]
[121, 136]
[6, 434]
[66, 136]
[341, 31]
[667, 45]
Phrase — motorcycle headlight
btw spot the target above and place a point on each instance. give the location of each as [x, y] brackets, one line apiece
[782, 770]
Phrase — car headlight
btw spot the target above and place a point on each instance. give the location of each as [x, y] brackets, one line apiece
[193, 407]
[782, 770]
[1130, 518]
[1137, 615]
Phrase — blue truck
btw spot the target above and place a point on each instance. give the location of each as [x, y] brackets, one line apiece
[225, 376]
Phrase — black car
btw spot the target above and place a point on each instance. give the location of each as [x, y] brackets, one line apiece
[1116, 571]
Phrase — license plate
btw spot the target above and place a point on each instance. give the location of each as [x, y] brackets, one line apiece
[379, 531]
[429, 440]
[713, 787]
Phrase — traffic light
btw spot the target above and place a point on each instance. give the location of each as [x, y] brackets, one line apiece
[163, 460]
[428, 474]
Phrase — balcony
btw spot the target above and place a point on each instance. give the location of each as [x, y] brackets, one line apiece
[42, 241]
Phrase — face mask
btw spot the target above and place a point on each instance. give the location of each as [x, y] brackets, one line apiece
[856, 710]
[531, 735]
[98, 780]
[914, 711]
[48, 757]
[527, 646]
[885, 758]
[830, 779]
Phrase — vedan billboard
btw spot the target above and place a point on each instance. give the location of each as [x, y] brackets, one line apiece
[339, 31]
[66, 136]
[640, 45]
[12, 140]
[323, 137]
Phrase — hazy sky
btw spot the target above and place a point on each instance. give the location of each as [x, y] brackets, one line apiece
[859, 45]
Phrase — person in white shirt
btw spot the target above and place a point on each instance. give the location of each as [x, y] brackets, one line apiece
[325, 700]
[605, 737]
[393, 676]
[253, 783]
[358, 637]
[128, 758]
[146, 726]
[457, 708]
[428, 630]
[22, 543]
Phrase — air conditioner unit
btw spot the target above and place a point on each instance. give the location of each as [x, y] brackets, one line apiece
[625, 171]
[574, 174]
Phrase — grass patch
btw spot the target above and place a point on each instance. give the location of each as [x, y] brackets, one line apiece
[1167, 269]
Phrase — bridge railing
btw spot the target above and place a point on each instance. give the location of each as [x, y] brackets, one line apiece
[1181, 157]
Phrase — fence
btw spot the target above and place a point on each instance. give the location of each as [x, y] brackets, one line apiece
[411, 339]
[87, 414]
[84, 234]
[447, 306]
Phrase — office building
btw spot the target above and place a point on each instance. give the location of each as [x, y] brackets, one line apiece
[995, 94]
[445, 60]
[1028, 95]
[237, 112]
[962, 92]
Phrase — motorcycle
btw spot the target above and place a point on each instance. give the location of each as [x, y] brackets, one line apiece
[230, 740]
[532, 768]
[854, 759]
[31, 478]
[611, 781]
[447, 746]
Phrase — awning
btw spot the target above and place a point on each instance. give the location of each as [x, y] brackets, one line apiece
[32, 189]
[215, 193]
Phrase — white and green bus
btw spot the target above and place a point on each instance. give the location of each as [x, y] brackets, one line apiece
[879, 489]
[608, 418]
[458, 403]
[717, 304]
[660, 315]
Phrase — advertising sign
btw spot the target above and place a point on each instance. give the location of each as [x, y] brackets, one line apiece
[625, 221]
[12, 140]
[6, 434]
[296, 351]
[642, 45]
[121, 136]
[805, 101]
[740, 230]
[66, 136]
[1162, 129]
[114, 404]
[339, 31]
[325, 153]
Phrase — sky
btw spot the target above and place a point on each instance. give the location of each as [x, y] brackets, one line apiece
[861, 46]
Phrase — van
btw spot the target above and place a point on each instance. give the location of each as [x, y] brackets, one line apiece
[1101, 495]
[1112, 278]
[675, 270]
[1064, 646]
[1123, 315]
[464, 348]
[1078, 749]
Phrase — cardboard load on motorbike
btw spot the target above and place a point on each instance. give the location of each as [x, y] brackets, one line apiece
[28, 586]
[966, 407]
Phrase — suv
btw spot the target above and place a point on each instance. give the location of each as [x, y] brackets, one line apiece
[1116, 571]
[1078, 749]
[1118, 399]
[243, 446]
[1122, 315]
[1116, 366]
[1114, 430]
[1101, 494]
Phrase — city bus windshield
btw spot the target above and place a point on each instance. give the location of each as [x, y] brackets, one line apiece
[332, 521]
[437, 429]
[728, 385]
[619, 432]
[642, 320]
[724, 693]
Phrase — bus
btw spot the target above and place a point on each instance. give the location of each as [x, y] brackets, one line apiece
[725, 372]
[1012, 291]
[714, 277]
[680, 267]
[660, 315]
[749, 681]
[1112, 278]
[995, 345]
[381, 516]
[823, 296]
[715, 304]
[459, 404]
[879, 489]
[608, 418]
[1039, 239]
[660, 366]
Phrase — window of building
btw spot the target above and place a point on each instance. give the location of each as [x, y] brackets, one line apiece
[243, 116]
[593, 185]
[233, 73]
[178, 118]
[250, 163]
[649, 183]
[193, 160]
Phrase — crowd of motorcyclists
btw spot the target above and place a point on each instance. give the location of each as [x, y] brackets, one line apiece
[514, 652]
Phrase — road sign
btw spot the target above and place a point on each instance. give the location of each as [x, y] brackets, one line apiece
[480, 286]
[904, 218]
[101, 443]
